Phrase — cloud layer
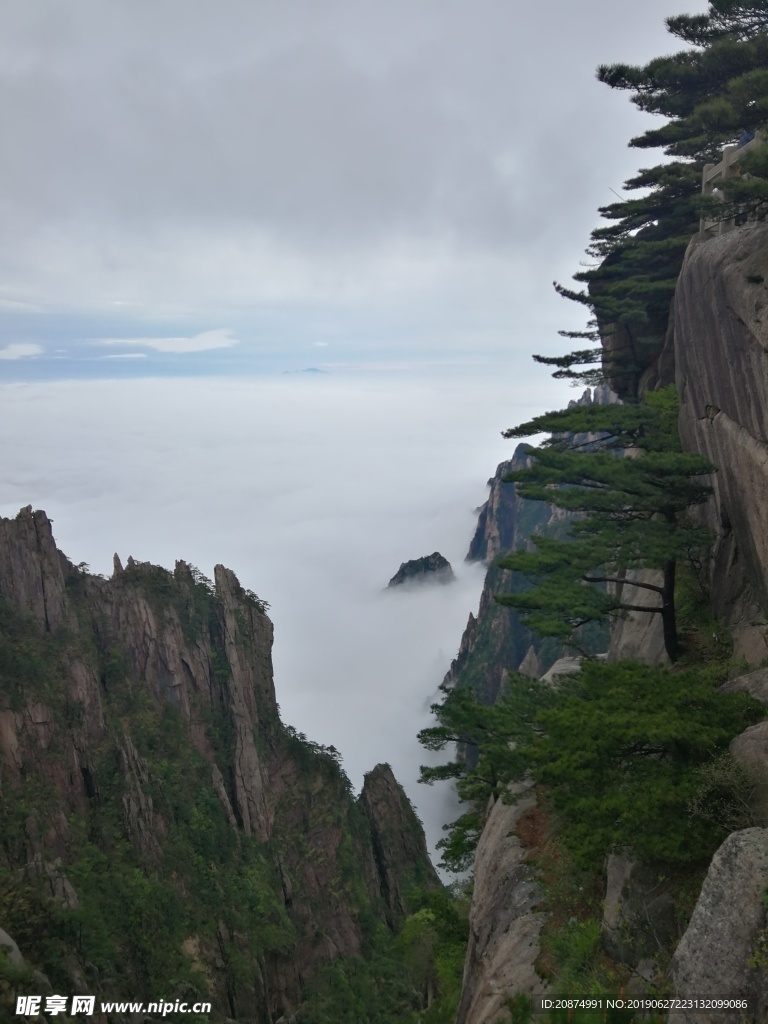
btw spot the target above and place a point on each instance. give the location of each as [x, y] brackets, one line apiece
[313, 490]
[206, 341]
[431, 167]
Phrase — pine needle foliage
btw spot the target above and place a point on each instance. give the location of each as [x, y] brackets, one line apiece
[633, 515]
[622, 753]
[712, 93]
[486, 740]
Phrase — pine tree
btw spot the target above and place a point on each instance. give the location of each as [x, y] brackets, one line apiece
[710, 94]
[487, 740]
[632, 488]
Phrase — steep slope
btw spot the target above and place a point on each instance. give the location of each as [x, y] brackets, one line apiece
[399, 847]
[720, 337]
[192, 842]
[495, 641]
[685, 928]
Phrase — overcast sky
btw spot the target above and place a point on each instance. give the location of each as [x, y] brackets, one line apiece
[383, 189]
[190, 186]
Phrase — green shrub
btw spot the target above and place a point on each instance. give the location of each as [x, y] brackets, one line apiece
[622, 755]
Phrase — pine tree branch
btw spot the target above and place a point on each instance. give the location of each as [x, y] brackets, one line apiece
[623, 579]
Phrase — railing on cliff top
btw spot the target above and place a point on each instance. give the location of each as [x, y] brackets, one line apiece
[715, 173]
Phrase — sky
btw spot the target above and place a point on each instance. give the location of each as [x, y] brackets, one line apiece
[191, 187]
[202, 200]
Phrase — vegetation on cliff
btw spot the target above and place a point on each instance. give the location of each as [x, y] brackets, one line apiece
[162, 833]
[713, 93]
[630, 762]
[633, 514]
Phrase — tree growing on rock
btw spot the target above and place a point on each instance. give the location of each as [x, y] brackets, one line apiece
[710, 94]
[632, 488]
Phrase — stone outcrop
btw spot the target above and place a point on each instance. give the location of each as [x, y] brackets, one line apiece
[505, 919]
[432, 567]
[721, 356]
[10, 951]
[399, 846]
[505, 520]
[32, 571]
[727, 929]
[495, 642]
[562, 667]
[638, 636]
[750, 750]
[754, 683]
[110, 663]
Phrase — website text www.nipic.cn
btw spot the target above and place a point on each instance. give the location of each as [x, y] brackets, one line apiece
[31, 1006]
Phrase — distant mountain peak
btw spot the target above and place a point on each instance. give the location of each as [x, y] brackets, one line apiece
[429, 567]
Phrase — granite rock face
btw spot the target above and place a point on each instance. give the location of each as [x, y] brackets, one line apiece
[726, 928]
[750, 750]
[150, 646]
[32, 570]
[399, 846]
[754, 683]
[503, 523]
[429, 567]
[720, 325]
[638, 636]
[505, 919]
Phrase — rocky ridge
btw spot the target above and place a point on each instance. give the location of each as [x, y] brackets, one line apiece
[432, 567]
[716, 352]
[399, 847]
[495, 642]
[138, 718]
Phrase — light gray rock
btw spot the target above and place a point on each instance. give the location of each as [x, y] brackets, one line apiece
[531, 664]
[750, 750]
[10, 950]
[721, 358]
[562, 667]
[505, 919]
[638, 636]
[725, 928]
[754, 683]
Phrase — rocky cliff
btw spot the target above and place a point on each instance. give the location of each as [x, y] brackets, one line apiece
[191, 841]
[720, 346]
[434, 568]
[495, 641]
[399, 847]
[506, 918]
[698, 931]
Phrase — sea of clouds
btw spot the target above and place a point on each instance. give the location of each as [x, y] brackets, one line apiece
[313, 489]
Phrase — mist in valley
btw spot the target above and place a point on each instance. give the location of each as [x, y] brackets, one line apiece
[313, 490]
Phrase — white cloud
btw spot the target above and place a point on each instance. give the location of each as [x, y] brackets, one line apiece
[319, 344]
[125, 355]
[314, 490]
[379, 155]
[20, 350]
[222, 337]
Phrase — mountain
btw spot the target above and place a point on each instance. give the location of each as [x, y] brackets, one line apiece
[434, 568]
[161, 830]
[495, 641]
[540, 924]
